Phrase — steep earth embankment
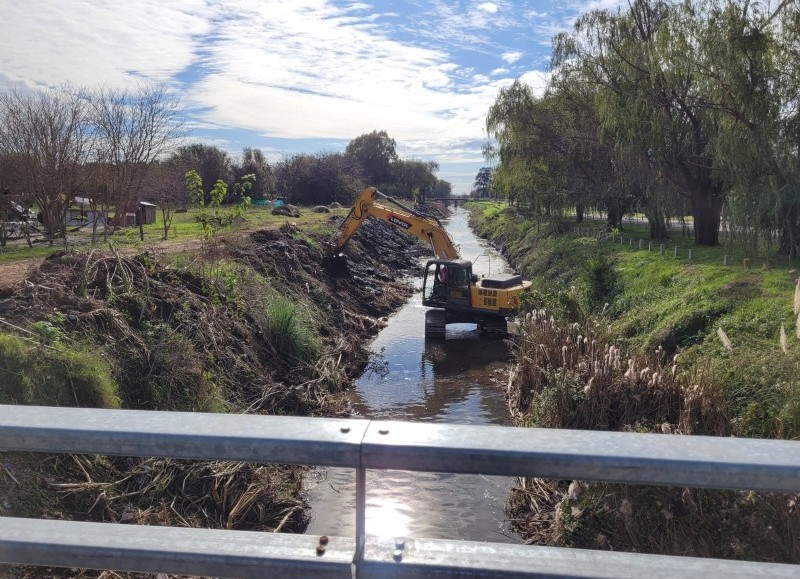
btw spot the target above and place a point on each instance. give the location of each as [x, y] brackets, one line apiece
[252, 323]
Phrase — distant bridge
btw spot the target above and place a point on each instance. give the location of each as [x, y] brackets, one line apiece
[448, 200]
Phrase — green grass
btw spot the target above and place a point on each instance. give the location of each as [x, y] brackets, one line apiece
[17, 252]
[291, 332]
[184, 228]
[53, 375]
[670, 302]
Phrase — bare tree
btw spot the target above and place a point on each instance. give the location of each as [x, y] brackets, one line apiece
[98, 196]
[136, 127]
[48, 133]
[166, 187]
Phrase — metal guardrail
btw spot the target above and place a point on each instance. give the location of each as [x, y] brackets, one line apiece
[361, 444]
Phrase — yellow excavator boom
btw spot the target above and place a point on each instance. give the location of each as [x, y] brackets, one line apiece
[426, 227]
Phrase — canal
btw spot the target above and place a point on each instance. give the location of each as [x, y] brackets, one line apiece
[460, 380]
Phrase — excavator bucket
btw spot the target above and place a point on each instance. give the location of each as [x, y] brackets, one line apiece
[336, 265]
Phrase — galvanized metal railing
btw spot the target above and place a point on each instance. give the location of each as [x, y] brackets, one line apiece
[724, 463]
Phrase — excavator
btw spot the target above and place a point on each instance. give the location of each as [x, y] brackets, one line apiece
[449, 288]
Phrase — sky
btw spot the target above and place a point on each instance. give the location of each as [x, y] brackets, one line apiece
[301, 76]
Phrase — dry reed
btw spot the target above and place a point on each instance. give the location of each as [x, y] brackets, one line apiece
[723, 337]
[797, 327]
[784, 340]
[573, 376]
[570, 377]
[797, 297]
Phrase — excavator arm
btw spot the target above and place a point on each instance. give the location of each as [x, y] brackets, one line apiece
[426, 227]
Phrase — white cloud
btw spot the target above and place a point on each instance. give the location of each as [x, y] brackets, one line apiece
[537, 80]
[511, 57]
[302, 72]
[48, 42]
[304, 69]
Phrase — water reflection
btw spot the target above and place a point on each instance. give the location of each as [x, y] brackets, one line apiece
[439, 381]
[458, 380]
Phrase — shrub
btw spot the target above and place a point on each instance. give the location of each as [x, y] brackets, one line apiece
[16, 369]
[291, 335]
[602, 281]
[34, 374]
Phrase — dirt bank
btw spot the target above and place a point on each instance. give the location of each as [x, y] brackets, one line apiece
[252, 324]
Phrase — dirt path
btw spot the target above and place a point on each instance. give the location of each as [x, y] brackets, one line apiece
[15, 271]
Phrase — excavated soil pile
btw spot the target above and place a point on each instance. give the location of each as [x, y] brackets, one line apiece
[205, 337]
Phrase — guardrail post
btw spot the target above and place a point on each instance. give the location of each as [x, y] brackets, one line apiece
[361, 511]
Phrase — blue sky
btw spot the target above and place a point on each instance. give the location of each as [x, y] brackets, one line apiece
[301, 76]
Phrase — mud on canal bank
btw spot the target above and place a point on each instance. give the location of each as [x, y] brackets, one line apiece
[253, 324]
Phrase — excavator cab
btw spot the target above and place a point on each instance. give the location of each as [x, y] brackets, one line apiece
[446, 283]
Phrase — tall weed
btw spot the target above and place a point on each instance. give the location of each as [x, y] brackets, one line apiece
[291, 334]
[602, 281]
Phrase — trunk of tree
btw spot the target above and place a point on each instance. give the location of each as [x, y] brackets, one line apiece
[790, 231]
[53, 219]
[706, 210]
[615, 209]
[579, 210]
[26, 230]
[657, 222]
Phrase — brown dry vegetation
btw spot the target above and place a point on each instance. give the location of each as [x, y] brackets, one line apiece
[192, 332]
[574, 376]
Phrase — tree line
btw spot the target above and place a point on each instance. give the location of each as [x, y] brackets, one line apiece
[116, 147]
[670, 108]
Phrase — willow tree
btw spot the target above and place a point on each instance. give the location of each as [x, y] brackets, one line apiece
[535, 149]
[755, 84]
[642, 62]
[552, 144]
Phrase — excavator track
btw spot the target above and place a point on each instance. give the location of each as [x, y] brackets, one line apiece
[435, 324]
[495, 328]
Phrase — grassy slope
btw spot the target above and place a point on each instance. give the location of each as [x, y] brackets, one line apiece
[667, 301]
[654, 301]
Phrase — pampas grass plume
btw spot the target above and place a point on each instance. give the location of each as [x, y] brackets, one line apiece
[797, 327]
[723, 337]
[784, 340]
[797, 298]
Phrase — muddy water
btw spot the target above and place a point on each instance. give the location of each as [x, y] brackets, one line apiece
[461, 381]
